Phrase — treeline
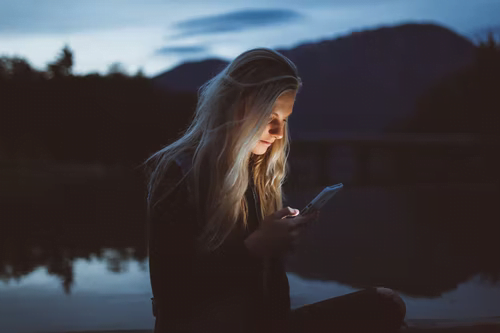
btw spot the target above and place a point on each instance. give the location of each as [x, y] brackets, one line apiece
[464, 102]
[119, 118]
[56, 115]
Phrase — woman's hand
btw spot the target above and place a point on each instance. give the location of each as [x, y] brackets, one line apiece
[278, 234]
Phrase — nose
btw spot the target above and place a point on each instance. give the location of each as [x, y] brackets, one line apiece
[277, 131]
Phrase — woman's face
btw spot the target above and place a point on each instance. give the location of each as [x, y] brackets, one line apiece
[282, 109]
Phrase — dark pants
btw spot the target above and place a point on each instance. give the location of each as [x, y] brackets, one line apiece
[370, 310]
[377, 310]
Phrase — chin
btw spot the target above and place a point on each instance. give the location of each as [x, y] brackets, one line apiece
[260, 149]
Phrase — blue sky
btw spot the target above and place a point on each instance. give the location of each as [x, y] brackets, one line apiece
[157, 35]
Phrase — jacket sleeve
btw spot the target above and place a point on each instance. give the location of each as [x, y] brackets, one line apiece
[183, 280]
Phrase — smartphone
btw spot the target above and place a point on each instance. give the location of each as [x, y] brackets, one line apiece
[321, 199]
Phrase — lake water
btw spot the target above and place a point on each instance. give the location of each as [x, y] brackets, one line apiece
[75, 258]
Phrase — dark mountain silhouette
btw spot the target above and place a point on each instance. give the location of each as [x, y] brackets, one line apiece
[362, 82]
[190, 75]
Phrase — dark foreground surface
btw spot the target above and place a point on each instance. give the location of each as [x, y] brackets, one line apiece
[413, 327]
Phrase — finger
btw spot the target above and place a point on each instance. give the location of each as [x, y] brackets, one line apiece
[287, 211]
[283, 212]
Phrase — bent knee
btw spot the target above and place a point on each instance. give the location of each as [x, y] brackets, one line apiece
[394, 297]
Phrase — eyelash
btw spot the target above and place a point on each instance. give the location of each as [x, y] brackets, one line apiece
[285, 121]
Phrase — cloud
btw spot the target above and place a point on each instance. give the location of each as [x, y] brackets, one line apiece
[236, 21]
[68, 17]
[182, 50]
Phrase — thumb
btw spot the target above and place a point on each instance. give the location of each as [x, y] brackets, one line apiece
[285, 212]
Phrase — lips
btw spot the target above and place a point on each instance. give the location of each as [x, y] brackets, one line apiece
[266, 142]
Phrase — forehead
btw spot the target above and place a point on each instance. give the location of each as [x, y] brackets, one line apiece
[284, 103]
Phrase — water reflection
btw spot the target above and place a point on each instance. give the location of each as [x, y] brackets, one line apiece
[423, 241]
[103, 300]
[78, 221]
[83, 250]
[99, 299]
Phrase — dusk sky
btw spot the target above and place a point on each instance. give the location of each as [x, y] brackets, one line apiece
[157, 35]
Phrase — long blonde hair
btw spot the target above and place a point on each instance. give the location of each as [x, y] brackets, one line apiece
[233, 109]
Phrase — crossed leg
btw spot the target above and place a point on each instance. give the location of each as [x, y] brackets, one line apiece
[368, 310]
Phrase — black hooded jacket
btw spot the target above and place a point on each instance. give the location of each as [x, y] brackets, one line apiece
[229, 288]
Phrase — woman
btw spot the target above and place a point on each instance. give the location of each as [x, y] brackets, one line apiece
[217, 232]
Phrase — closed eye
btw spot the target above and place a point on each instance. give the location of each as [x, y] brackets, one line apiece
[284, 120]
